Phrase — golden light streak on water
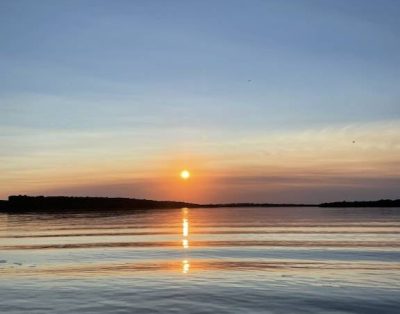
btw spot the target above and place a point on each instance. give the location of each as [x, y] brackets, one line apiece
[185, 240]
[185, 266]
[185, 228]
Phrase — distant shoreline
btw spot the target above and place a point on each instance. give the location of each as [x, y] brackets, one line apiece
[61, 204]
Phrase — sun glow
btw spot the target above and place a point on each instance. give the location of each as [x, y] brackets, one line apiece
[185, 174]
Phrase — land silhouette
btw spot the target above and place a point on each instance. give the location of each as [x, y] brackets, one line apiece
[24, 203]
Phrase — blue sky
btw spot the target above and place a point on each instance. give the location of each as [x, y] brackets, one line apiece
[165, 76]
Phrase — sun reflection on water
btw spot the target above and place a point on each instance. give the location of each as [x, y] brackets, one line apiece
[185, 224]
[185, 243]
[185, 239]
[185, 266]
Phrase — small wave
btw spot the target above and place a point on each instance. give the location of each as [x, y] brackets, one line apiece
[310, 244]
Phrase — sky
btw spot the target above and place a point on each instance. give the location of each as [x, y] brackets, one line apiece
[262, 100]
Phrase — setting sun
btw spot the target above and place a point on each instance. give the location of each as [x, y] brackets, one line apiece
[185, 174]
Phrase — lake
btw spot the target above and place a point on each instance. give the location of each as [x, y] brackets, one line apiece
[206, 260]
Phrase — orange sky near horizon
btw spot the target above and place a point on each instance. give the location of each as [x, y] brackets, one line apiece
[309, 166]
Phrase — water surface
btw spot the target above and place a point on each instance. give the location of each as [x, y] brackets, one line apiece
[210, 260]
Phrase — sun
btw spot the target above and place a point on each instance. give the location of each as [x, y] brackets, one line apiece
[185, 174]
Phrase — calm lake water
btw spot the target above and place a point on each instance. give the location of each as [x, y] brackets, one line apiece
[219, 260]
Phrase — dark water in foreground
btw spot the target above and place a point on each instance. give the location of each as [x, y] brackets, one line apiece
[236, 260]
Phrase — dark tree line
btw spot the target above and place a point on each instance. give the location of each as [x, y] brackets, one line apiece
[42, 203]
[23, 203]
[380, 203]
